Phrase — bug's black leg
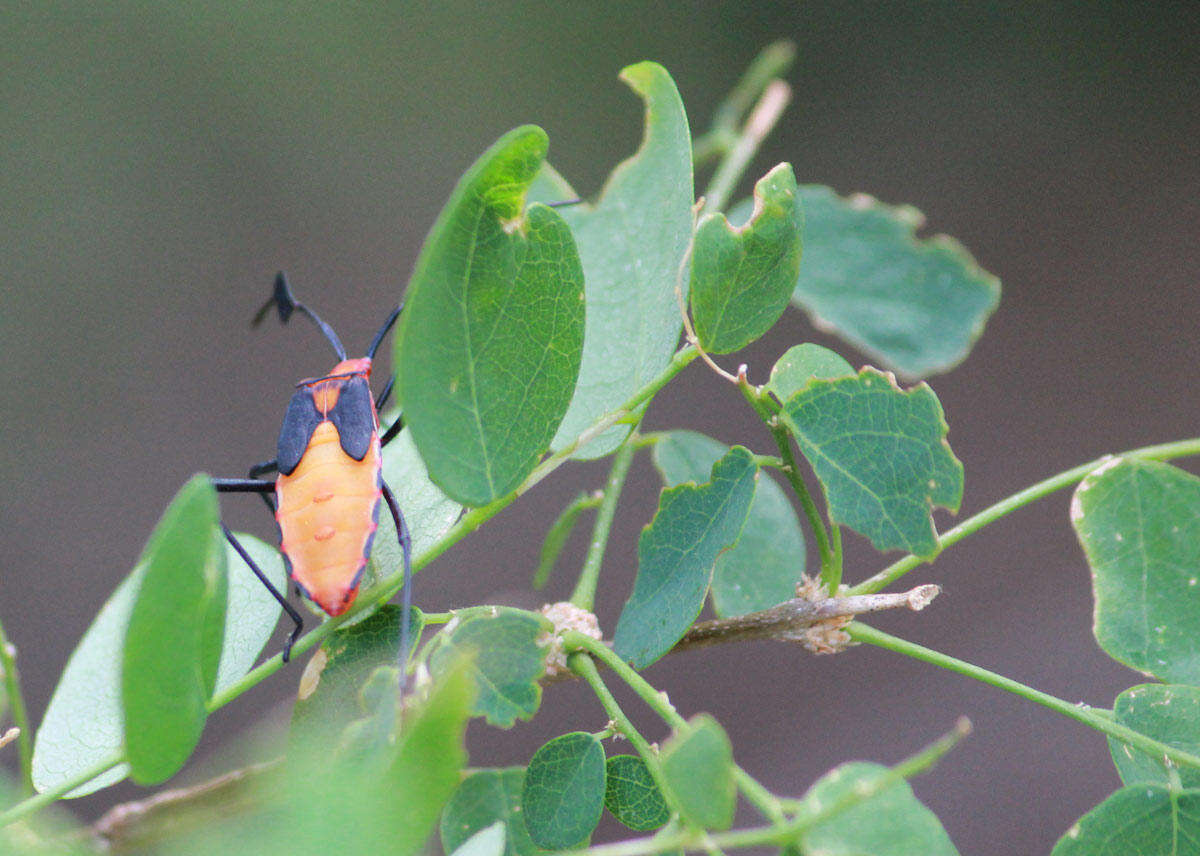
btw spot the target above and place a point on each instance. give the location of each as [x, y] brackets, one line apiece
[390, 434]
[562, 203]
[405, 540]
[243, 486]
[262, 469]
[385, 395]
[287, 607]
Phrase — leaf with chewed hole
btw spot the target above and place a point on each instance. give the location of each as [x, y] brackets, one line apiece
[676, 555]
[761, 569]
[1169, 713]
[1139, 524]
[173, 640]
[490, 341]
[742, 277]
[881, 455]
[508, 660]
[918, 305]
[563, 793]
[632, 243]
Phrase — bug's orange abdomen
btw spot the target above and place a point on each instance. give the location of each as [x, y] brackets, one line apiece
[328, 512]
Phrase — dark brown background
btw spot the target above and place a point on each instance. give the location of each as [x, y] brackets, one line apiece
[160, 162]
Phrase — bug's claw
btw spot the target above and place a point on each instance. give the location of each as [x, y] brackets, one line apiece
[291, 640]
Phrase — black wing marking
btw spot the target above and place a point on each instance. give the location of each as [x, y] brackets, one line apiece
[301, 419]
[354, 417]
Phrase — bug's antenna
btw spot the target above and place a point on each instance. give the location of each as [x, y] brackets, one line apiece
[383, 331]
[281, 299]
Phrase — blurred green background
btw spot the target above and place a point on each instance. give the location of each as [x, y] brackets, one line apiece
[160, 161]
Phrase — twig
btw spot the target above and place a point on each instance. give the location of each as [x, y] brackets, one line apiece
[771, 63]
[789, 620]
[126, 824]
[762, 119]
[16, 701]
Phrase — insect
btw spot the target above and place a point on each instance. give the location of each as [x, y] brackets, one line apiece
[329, 485]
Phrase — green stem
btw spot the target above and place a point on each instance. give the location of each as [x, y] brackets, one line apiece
[584, 595]
[584, 666]
[759, 124]
[558, 533]
[20, 716]
[786, 831]
[771, 62]
[756, 794]
[428, 619]
[893, 572]
[768, 411]
[1081, 713]
[39, 801]
[575, 641]
[832, 576]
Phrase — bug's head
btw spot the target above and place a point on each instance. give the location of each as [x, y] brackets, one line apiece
[325, 389]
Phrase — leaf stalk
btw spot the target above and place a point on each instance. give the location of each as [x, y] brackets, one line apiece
[20, 715]
[584, 595]
[894, 571]
[1100, 721]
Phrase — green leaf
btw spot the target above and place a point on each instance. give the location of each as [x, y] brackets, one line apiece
[1139, 524]
[676, 555]
[632, 243]
[429, 762]
[49, 832]
[558, 533]
[916, 305]
[83, 724]
[329, 697]
[486, 797]
[428, 512]
[881, 454]
[697, 767]
[508, 660]
[563, 794]
[762, 567]
[1170, 713]
[173, 641]
[368, 739]
[1147, 821]
[801, 364]
[488, 841]
[490, 340]
[631, 794]
[387, 803]
[251, 612]
[742, 277]
[891, 823]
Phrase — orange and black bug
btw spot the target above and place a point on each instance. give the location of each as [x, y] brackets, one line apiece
[330, 483]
